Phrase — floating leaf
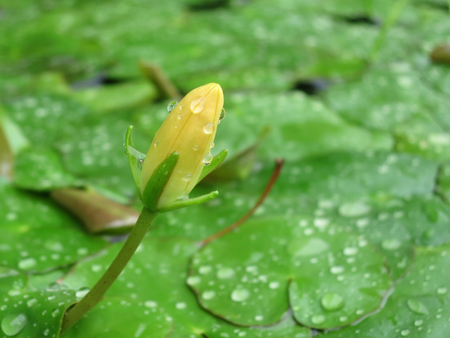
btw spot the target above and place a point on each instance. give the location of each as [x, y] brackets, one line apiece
[333, 277]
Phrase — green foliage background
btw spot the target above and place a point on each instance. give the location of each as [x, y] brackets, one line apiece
[353, 241]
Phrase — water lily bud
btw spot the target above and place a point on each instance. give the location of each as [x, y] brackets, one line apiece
[189, 129]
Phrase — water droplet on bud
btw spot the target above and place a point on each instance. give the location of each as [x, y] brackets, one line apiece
[208, 158]
[171, 105]
[187, 177]
[197, 105]
[208, 128]
[222, 115]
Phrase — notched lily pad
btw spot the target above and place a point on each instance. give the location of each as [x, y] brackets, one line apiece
[333, 277]
[419, 304]
[156, 276]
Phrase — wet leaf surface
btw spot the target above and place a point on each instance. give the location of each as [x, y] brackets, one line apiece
[360, 118]
[37, 235]
[156, 278]
[332, 277]
[418, 306]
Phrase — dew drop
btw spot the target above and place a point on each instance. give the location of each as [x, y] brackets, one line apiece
[150, 304]
[211, 145]
[391, 244]
[180, 305]
[204, 269]
[354, 209]
[259, 318]
[208, 295]
[179, 116]
[442, 291]
[13, 324]
[171, 106]
[274, 285]
[96, 267]
[198, 104]
[225, 273]
[208, 128]
[350, 251]
[239, 295]
[418, 322]
[31, 302]
[318, 319]
[55, 313]
[82, 292]
[222, 114]
[404, 333]
[208, 158]
[156, 143]
[187, 177]
[196, 147]
[337, 269]
[193, 280]
[27, 263]
[332, 301]
[417, 306]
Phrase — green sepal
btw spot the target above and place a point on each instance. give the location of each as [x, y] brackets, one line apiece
[218, 159]
[189, 202]
[135, 159]
[157, 182]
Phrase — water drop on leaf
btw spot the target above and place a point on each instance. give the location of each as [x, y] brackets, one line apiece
[82, 292]
[208, 295]
[239, 295]
[318, 319]
[13, 324]
[225, 273]
[332, 301]
[391, 244]
[417, 306]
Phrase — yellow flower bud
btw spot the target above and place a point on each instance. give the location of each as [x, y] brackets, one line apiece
[189, 129]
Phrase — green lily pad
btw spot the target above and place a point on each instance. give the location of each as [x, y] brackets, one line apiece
[156, 276]
[37, 235]
[12, 281]
[44, 118]
[434, 146]
[34, 314]
[41, 169]
[419, 303]
[132, 318]
[96, 152]
[334, 277]
[387, 98]
[116, 97]
[303, 186]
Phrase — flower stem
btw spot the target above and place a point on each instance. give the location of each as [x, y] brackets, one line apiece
[278, 166]
[98, 291]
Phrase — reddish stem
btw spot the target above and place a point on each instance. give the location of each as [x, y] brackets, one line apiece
[276, 172]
